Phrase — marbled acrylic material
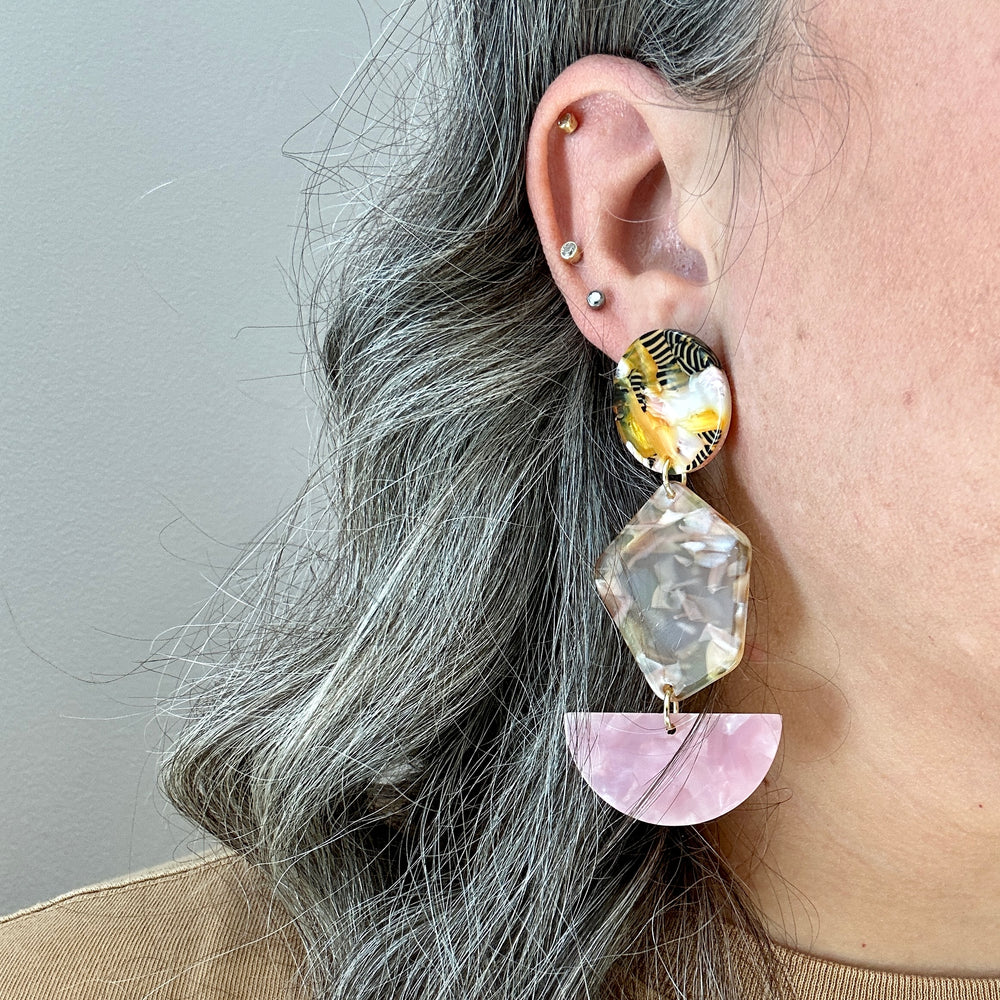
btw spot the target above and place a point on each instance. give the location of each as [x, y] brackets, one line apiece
[675, 581]
[623, 758]
[672, 401]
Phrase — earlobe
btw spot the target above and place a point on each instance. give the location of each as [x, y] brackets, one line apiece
[628, 184]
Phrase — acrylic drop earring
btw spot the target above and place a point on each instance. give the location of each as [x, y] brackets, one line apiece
[675, 582]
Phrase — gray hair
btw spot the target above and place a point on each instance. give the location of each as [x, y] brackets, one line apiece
[379, 727]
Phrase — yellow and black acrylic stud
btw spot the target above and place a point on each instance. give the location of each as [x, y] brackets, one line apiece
[672, 402]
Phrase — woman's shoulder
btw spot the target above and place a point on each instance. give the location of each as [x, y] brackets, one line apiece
[201, 927]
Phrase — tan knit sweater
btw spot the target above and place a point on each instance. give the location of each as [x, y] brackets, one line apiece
[204, 929]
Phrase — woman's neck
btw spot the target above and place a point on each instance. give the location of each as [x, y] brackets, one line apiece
[877, 840]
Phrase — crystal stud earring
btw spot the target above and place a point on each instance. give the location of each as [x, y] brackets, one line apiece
[571, 252]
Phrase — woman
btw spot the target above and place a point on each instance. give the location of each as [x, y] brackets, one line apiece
[381, 742]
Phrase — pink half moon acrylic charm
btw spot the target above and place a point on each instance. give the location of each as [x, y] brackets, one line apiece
[622, 756]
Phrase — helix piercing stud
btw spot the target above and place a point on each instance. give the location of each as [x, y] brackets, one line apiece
[567, 122]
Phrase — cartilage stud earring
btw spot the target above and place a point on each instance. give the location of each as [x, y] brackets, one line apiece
[567, 122]
[571, 252]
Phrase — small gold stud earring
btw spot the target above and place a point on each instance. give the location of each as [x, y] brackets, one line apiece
[567, 122]
[571, 253]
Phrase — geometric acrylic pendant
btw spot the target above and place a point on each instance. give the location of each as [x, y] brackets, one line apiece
[675, 581]
[710, 771]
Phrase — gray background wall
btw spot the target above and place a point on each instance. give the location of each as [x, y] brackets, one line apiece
[153, 412]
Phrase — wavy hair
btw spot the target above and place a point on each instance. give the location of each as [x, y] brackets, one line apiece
[378, 727]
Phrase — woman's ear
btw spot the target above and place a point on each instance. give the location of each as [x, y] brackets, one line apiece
[643, 185]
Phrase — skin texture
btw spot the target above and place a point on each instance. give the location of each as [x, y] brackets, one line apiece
[852, 296]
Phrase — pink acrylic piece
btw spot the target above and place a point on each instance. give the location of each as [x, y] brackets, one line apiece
[622, 757]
